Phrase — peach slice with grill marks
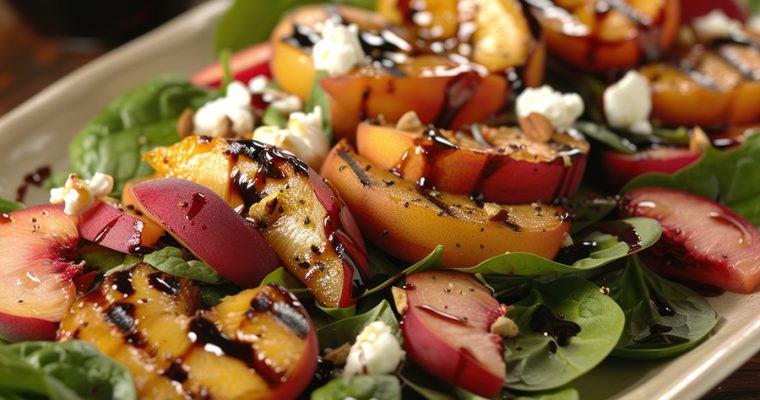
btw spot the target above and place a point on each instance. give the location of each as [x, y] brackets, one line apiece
[409, 221]
[205, 224]
[447, 330]
[299, 214]
[257, 344]
[38, 252]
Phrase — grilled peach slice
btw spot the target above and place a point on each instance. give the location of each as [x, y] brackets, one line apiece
[122, 229]
[599, 36]
[298, 214]
[409, 221]
[205, 224]
[447, 330]
[259, 343]
[400, 76]
[621, 168]
[723, 75]
[38, 249]
[503, 165]
[702, 241]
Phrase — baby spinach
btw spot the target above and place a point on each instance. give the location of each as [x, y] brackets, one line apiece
[663, 318]
[319, 98]
[545, 355]
[589, 209]
[284, 278]
[361, 387]
[172, 261]
[606, 136]
[70, 370]
[9, 205]
[608, 249]
[211, 295]
[431, 261]
[729, 177]
[101, 259]
[113, 142]
[345, 330]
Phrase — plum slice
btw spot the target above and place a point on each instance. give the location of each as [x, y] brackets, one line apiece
[702, 241]
[38, 253]
[123, 230]
[209, 228]
[446, 330]
[621, 168]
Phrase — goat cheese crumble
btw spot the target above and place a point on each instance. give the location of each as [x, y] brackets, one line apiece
[628, 103]
[339, 49]
[79, 195]
[560, 109]
[716, 24]
[303, 137]
[235, 105]
[376, 351]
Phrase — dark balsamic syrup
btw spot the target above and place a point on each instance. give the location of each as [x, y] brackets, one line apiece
[577, 251]
[122, 282]
[35, 178]
[167, 284]
[623, 231]
[560, 331]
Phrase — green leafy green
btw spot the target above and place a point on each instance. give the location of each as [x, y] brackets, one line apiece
[100, 258]
[114, 141]
[561, 394]
[536, 361]
[345, 330]
[70, 370]
[729, 177]
[9, 205]
[250, 22]
[606, 136]
[274, 117]
[284, 278]
[431, 261]
[319, 98]
[211, 295]
[589, 209]
[224, 60]
[609, 248]
[171, 260]
[361, 387]
[651, 330]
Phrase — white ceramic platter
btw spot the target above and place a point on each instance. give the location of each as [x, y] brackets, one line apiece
[37, 133]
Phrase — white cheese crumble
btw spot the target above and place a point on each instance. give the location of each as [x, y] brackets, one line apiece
[376, 351]
[339, 49]
[279, 100]
[754, 23]
[79, 195]
[628, 103]
[560, 109]
[303, 137]
[716, 24]
[235, 105]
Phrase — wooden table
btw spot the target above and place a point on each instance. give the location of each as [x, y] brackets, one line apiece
[29, 62]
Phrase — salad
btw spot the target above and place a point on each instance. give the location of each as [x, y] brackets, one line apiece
[396, 199]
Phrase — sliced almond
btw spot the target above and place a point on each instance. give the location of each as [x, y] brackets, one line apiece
[399, 298]
[409, 122]
[338, 355]
[223, 128]
[537, 127]
[698, 140]
[185, 125]
[505, 327]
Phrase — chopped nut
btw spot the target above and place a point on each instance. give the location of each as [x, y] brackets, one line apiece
[223, 128]
[537, 127]
[399, 298]
[339, 355]
[185, 124]
[409, 122]
[505, 327]
[567, 241]
[698, 140]
[261, 213]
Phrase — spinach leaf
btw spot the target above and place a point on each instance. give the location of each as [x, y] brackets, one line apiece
[249, 22]
[171, 260]
[211, 295]
[589, 209]
[274, 117]
[536, 361]
[663, 318]
[431, 261]
[113, 142]
[728, 177]
[361, 387]
[601, 133]
[68, 370]
[608, 249]
[284, 278]
[101, 259]
[345, 330]
[9, 205]
[318, 97]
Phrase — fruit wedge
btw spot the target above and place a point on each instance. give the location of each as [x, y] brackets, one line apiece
[702, 241]
[38, 252]
[298, 214]
[447, 330]
[123, 230]
[257, 344]
[205, 224]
